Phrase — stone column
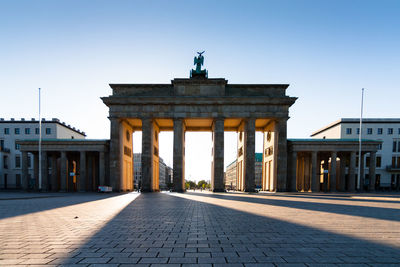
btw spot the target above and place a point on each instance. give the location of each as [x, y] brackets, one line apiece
[332, 175]
[82, 172]
[36, 170]
[352, 168]
[362, 173]
[102, 168]
[325, 174]
[90, 172]
[63, 172]
[293, 169]
[179, 156]
[115, 154]
[342, 181]
[281, 164]
[45, 172]
[54, 172]
[217, 178]
[25, 176]
[249, 154]
[314, 177]
[147, 155]
[372, 171]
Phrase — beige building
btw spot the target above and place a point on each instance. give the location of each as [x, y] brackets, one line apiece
[165, 172]
[10, 155]
[231, 173]
[386, 130]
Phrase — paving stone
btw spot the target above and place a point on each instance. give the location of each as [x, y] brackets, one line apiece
[95, 260]
[201, 229]
[182, 260]
[153, 260]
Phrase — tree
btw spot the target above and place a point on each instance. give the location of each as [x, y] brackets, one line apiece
[190, 185]
[202, 184]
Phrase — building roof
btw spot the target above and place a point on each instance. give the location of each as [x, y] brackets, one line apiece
[53, 120]
[356, 120]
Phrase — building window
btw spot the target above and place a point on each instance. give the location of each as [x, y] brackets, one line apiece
[18, 180]
[5, 162]
[378, 161]
[398, 131]
[16, 130]
[390, 130]
[48, 130]
[6, 130]
[17, 161]
[348, 130]
[380, 130]
[380, 146]
[27, 131]
[369, 131]
[36, 130]
[394, 146]
[17, 146]
[398, 146]
[358, 131]
[367, 161]
[29, 161]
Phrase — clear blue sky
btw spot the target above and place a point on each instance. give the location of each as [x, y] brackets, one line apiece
[326, 50]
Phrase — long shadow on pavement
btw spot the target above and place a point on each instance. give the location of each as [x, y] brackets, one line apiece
[359, 197]
[362, 211]
[159, 228]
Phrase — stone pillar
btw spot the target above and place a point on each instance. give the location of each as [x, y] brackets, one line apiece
[36, 170]
[281, 164]
[293, 170]
[362, 173]
[352, 168]
[342, 181]
[179, 156]
[314, 177]
[82, 172]
[115, 154]
[102, 168]
[147, 155]
[63, 172]
[249, 154]
[90, 173]
[25, 176]
[217, 177]
[45, 172]
[372, 171]
[325, 174]
[332, 175]
[54, 172]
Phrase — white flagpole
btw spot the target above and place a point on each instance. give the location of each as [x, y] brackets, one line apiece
[40, 147]
[359, 140]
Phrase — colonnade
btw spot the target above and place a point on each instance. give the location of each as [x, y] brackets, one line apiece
[329, 171]
[66, 165]
[65, 171]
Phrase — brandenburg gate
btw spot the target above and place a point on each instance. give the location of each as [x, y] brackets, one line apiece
[199, 103]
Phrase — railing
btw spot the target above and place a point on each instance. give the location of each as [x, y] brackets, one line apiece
[3, 149]
[393, 168]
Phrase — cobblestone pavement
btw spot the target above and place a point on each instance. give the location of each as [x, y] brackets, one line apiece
[201, 229]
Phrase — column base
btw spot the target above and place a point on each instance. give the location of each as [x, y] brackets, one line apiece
[218, 190]
[178, 191]
[250, 191]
